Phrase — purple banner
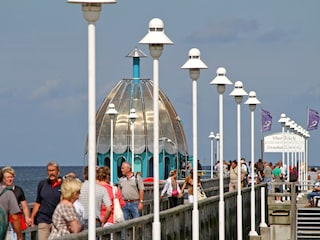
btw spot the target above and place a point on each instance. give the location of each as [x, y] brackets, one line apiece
[313, 120]
[266, 121]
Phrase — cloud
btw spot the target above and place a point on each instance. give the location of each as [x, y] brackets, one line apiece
[228, 30]
[274, 35]
[44, 90]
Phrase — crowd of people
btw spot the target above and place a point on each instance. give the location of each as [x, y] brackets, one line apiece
[61, 205]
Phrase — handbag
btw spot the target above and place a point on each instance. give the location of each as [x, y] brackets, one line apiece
[175, 193]
[117, 210]
[22, 221]
[201, 193]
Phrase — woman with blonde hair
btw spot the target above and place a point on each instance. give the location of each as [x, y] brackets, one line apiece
[65, 219]
[172, 189]
[8, 175]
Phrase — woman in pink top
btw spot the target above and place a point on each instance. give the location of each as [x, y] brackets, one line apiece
[103, 179]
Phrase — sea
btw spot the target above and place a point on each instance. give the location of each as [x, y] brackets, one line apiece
[29, 177]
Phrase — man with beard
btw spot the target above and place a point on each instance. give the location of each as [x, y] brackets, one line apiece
[48, 197]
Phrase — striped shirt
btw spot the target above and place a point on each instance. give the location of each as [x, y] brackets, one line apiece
[102, 196]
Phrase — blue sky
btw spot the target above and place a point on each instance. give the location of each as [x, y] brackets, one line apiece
[271, 46]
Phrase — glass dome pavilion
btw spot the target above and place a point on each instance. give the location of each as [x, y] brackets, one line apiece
[137, 93]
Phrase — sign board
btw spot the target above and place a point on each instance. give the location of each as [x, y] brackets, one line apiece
[284, 142]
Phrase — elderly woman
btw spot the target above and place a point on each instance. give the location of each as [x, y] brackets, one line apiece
[65, 219]
[172, 189]
[8, 182]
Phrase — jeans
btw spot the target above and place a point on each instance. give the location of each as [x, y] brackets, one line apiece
[130, 210]
[312, 194]
[268, 180]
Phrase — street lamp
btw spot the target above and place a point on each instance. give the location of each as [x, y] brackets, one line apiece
[132, 117]
[112, 112]
[221, 81]
[91, 11]
[211, 136]
[194, 64]
[238, 93]
[156, 38]
[252, 101]
[217, 147]
[282, 121]
[287, 125]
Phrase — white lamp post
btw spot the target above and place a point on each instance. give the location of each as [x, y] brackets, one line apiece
[91, 11]
[156, 38]
[217, 148]
[132, 116]
[307, 135]
[287, 125]
[194, 64]
[221, 81]
[211, 136]
[252, 101]
[282, 121]
[238, 93]
[112, 112]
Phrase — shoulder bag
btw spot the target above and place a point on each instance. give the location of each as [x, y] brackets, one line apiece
[117, 211]
[201, 193]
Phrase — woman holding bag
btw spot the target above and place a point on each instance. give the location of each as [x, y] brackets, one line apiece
[103, 179]
[172, 189]
[8, 182]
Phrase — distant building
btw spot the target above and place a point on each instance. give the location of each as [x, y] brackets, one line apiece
[138, 93]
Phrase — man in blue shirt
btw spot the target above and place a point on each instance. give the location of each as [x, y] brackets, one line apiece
[48, 197]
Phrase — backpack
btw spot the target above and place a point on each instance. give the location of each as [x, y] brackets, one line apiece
[3, 221]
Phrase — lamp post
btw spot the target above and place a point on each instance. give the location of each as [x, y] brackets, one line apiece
[132, 117]
[221, 81]
[91, 11]
[211, 136]
[217, 147]
[238, 93]
[287, 125]
[156, 38]
[252, 101]
[194, 64]
[112, 112]
[282, 121]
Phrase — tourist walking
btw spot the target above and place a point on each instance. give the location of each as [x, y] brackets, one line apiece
[48, 197]
[267, 175]
[172, 189]
[8, 182]
[102, 197]
[233, 174]
[278, 179]
[9, 205]
[65, 219]
[132, 189]
[188, 183]
[103, 179]
[77, 205]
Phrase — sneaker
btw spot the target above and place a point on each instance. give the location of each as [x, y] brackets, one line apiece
[277, 201]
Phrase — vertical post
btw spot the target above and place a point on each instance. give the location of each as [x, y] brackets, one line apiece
[156, 233]
[195, 211]
[132, 147]
[253, 203]
[111, 149]
[221, 186]
[263, 205]
[239, 197]
[92, 127]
